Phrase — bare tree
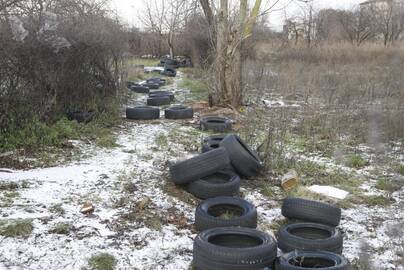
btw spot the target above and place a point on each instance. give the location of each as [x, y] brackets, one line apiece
[358, 26]
[167, 17]
[387, 18]
[230, 36]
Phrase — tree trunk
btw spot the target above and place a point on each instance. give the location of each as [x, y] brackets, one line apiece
[229, 62]
[170, 44]
[221, 50]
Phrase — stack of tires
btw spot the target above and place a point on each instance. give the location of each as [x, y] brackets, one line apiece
[314, 243]
[228, 238]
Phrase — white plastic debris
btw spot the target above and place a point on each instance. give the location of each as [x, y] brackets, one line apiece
[329, 191]
[273, 103]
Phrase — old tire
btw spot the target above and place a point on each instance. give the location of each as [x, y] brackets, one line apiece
[179, 112]
[140, 89]
[158, 81]
[217, 124]
[169, 72]
[162, 93]
[151, 85]
[233, 248]
[209, 214]
[222, 183]
[199, 166]
[312, 211]
[300, 260]
[310, 237]
[158, 100]
[211, 142]
[244, 160]
[143, 113]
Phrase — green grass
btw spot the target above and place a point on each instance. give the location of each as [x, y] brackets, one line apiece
[356, 161]
[371, 201]
[57, 209]
[400, 169]
[228, 215]
[161, 141]
[35, 136]
[315, 174]
[61, 228]
[388, 185]
[199, 89]
[102, 261]
[16, 228]
[8, 197]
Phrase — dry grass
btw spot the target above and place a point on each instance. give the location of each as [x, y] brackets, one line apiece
[356, 92]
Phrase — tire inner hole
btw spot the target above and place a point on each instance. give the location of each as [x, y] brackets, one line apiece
[226, 211]
[216, 121]
[235, 240]
[215, 145]
[310, 233]
[307, 262]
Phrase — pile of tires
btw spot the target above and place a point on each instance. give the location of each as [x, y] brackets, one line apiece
[217, 170]
[156, 99]
[228, 238]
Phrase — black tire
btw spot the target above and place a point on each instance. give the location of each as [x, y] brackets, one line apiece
[244, 160]
[169, 72]
[158, 100]
[140, 89]
[211, 142]
[217, 124]
[158, 81]
[199, 166]
[233, 248]
[209, 213]
[300, 260]
[151, 85]
[312, 211]
[143, 113]
[162, 93]
[222, 183]
[179, 112]
[310, 237]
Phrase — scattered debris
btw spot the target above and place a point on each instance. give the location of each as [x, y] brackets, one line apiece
[329, 191]
[87, 209]
[290, 180]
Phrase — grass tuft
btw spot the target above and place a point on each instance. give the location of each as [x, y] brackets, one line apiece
[102, 261]
[356, 161]
[61, 228]
[16, 228]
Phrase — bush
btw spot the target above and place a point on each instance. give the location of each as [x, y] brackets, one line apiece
[67, 57]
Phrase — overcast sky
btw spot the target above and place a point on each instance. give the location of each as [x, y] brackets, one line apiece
[130, 9]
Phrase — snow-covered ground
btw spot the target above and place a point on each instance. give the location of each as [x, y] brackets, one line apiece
[135, 219]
